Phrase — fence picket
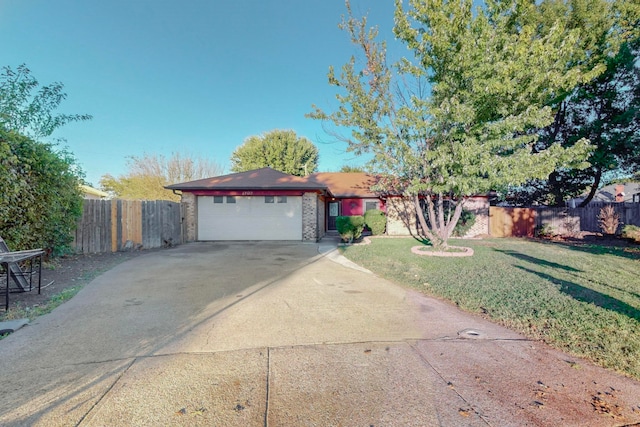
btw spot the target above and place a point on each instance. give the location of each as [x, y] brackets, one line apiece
[565, 221]
[107, 225]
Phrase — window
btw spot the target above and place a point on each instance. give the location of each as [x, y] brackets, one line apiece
[371, 205]
[218, 199]
[282, 199]
[231, 199]
[268, 199]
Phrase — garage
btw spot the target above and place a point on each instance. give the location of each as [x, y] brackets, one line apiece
[260, 204]
[249, 217]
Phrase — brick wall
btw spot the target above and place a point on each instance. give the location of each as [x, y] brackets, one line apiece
[190, 217]
[310, 217]
[480, 207]
[401, 216]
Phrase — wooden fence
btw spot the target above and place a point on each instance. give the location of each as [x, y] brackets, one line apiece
[116, 225]
[506, 222]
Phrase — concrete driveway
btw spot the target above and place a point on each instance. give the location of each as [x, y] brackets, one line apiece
[281, 334]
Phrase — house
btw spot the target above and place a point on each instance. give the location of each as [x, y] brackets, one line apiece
[262, 204]
[350, 194]
[92, 193]
[628, 193]
[265, 204]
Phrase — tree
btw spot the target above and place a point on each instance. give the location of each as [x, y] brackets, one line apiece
[607, 112]
[31, 114]
[349, 168]
[281, 150]
[40, 199]
[462, 117]
[148, 175]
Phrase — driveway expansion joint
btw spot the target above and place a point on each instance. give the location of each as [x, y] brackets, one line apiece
[106, 392]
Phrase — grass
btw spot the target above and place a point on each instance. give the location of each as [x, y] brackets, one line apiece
[581, 299]
[18, 311]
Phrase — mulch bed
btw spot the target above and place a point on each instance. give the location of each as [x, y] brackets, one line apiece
[61, 273]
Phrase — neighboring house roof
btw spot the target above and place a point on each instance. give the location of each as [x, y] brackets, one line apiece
[347, 184]
[259, 179]
[608, 193]
[90, 191]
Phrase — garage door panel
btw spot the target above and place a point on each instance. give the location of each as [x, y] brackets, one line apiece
[250, 218]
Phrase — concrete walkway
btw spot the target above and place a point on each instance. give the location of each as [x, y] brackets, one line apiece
[284, 334]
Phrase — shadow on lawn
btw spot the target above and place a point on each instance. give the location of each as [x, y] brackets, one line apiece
[537, 261]
[629, 251]
[587, 295]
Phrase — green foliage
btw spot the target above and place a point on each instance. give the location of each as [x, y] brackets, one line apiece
[31, 114]
[631, 232]
[464, 224]
[350, 227]
[281, 150]
[350, 169]
[376, 220]
[607, 112]
[581, 299]
[545, 231]
[463, 115]
[40, 199]
[148, 175]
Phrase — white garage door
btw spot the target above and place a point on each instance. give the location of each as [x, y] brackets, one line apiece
[249, 218]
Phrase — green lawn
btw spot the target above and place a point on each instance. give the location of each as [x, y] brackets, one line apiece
[584, 300]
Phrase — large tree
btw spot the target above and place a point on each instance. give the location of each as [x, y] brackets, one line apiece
[147, 176]
[281, 150]
[607, 112]
[463, 115]
[40, 199]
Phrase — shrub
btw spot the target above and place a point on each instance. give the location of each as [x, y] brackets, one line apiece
[40, 200]
[464, 224]
[376, 221]
[631, 232]
[608, 220]
[545, 231]
[350, 227]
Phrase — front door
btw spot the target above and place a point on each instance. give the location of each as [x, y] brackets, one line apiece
[334, 212]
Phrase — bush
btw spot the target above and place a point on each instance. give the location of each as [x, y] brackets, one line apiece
[350, 227]
[376, 221]
[608, 220]
[545, 231]
[631, 232]
[464, 224]
[40, 200]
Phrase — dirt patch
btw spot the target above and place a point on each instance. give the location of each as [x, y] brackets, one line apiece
[62, 273]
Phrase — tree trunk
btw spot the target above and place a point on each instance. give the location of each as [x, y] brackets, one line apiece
[594, 188]
[439, 228]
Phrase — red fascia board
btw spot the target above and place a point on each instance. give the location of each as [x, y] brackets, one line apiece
[249, 192]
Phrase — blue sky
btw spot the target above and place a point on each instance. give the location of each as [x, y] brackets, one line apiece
[195, 77]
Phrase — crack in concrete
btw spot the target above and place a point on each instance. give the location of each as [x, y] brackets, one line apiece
[97, 402]
[430, 366]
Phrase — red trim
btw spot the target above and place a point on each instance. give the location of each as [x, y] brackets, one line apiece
[249, 192]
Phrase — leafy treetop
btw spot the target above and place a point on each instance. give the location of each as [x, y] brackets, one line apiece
[281, 150]
[27, 113]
